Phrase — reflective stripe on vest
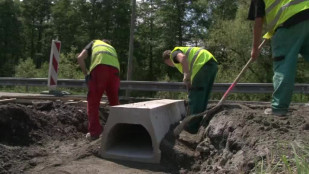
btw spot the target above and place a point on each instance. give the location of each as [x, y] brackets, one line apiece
[193, 59]
[102, 46]
[272, 6]
[279, 11]
[276, 19]
[105, 52]
[188, 51]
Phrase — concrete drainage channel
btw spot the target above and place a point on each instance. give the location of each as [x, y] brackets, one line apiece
[134, 131]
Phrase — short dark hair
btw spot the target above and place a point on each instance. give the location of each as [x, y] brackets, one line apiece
[106, 41]
[166, 54]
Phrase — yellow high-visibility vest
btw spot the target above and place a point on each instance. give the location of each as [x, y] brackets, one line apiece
[103, 53]
[278, 11]
[196, 56]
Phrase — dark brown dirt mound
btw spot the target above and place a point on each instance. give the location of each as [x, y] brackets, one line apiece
[24, 130]
[237, 138]
[17, 124]
[24, 125]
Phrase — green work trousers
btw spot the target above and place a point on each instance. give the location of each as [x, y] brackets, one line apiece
[200, 92]
[286, 44]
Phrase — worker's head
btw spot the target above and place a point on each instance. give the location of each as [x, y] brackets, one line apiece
[166, 58]
[106, 41]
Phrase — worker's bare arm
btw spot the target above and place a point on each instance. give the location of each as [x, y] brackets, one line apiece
[257, 32]
[81, 61]
[182, 58]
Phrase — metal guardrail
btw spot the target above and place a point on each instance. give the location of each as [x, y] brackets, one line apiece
[151, 85]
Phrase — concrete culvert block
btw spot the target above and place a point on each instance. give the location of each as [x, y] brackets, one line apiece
[134, 131]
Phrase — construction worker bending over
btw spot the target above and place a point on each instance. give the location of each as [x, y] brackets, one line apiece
[103, 76]
[288, 28]
[199, 68]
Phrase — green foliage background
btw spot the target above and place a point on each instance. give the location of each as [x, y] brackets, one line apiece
[27, 28]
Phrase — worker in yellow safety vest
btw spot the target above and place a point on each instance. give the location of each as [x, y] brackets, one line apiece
[287, 25]
[102, 77]
[199, 68]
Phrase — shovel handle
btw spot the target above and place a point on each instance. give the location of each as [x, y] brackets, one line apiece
[238, 77]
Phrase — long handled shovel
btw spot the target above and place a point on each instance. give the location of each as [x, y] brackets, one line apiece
[208, 114]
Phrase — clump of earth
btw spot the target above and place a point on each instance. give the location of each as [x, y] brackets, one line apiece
[49, 137]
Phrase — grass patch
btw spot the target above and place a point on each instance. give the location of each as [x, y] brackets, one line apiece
[294, 160]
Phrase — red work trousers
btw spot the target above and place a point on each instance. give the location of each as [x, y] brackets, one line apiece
[103, 78]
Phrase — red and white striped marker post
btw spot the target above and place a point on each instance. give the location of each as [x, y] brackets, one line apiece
[53, 64]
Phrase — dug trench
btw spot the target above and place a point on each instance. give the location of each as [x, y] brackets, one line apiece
[48, 137]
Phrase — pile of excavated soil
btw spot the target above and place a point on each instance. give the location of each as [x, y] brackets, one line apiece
[48, 137]
[238, 138]
[29, 133]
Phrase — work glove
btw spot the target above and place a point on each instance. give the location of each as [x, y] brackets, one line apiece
[87, 78]
[187, 80]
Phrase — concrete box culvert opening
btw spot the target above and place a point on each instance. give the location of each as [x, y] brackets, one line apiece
[134, 131]
[130, 140]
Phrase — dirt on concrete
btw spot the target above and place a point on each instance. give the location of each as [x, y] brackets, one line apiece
[49, 137]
